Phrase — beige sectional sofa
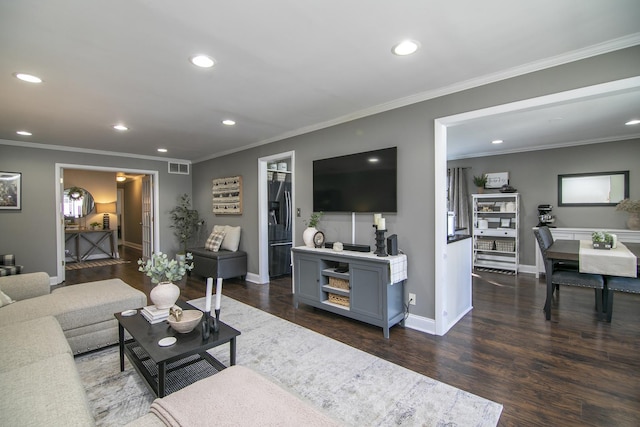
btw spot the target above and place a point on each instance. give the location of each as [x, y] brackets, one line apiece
[41, 331]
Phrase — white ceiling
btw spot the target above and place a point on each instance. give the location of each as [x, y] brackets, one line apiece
[284, 67]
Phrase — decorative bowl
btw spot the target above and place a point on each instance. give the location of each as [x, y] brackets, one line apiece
[189, 320]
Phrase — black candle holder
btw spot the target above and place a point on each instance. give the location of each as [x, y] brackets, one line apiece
[380, 248]
[210, 324]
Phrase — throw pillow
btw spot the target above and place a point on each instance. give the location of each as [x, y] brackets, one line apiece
[232, 238]
[5, 299]
[214, 241]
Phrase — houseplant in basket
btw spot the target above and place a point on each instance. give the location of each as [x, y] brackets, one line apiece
[601, 240]
[163, 271]
[480, 182]
[184, 222]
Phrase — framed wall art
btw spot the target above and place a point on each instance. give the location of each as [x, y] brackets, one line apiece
[227, 195]
[10, 191]
[497, 180]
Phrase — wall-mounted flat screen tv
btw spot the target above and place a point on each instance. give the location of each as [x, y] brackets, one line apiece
[362, 182]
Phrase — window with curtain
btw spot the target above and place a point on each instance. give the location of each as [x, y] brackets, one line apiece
[458, 196]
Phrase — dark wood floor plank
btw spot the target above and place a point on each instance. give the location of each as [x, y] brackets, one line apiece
[572, 370]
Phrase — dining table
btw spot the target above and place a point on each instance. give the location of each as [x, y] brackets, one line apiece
[569, 250]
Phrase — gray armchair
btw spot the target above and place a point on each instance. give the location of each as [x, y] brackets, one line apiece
[562, 276]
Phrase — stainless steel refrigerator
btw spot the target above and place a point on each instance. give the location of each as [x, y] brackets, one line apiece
[280, 223]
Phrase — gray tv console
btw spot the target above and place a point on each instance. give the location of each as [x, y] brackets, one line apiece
[370, 295]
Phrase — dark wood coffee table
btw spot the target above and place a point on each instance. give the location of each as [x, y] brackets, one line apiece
[168, 369]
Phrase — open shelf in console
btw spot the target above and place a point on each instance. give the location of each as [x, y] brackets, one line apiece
[335, 284]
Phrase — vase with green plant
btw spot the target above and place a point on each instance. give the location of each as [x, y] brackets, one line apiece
[164, 271]
[94, 225]
[602, 240]
[184, 221]
[633, 208]
[311, 230]
[480, 182]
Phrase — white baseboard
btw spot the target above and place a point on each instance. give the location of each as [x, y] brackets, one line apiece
[132, 245]
[422, 324]
[522, 268]
[254, 278]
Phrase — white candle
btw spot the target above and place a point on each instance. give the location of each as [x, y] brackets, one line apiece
[376, 219]
[207, 306]
[218, 292]
[382, 224]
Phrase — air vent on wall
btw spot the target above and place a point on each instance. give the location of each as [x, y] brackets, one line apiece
[179, 168]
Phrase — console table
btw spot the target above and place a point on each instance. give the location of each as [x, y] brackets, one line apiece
[358, 285]
[630, 236]
[85, 242]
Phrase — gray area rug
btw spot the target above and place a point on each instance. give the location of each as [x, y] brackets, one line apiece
[352, 386]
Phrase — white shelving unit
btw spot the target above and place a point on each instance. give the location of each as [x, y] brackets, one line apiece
[495, 242]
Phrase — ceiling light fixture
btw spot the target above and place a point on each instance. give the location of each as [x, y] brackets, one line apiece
[228, 122]
[120, 127]
[406, 47]
[24, 133]
[373, 159]
[121, 178]
[633, 122]
[497, 141]
[28, 77]
[162, 150]
[202, 61]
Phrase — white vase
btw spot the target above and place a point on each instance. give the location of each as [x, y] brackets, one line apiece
[307, 236]
[164, 295]
[633, 222]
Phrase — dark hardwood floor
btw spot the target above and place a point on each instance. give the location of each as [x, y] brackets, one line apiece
[573, 370]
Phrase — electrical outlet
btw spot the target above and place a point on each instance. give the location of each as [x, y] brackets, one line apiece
[298, 212]
[412, 299]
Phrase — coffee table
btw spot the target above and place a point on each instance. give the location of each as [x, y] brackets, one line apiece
[168, 369]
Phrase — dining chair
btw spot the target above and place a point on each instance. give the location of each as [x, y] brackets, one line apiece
[618, 284]
[568, 277]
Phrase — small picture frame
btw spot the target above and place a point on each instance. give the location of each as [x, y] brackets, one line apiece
[10, 191]
[497, 179]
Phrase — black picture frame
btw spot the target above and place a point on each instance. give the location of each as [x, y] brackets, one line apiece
[10, 191]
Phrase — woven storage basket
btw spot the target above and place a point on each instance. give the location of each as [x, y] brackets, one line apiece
[485, 245]
[334, 282]
[505, 245]
[339, 299]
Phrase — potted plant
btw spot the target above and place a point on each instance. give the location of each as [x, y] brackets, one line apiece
[310, 231]
[601, 240]
[633, 207]
[94, 225]
[184, 222]
[480, 182]
[164, 271]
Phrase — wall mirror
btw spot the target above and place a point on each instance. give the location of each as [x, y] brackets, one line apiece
[77, 202]
[593, 189]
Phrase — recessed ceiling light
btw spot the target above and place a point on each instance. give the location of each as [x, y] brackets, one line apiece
[633, 122]
[24, 133]
[406, 47]
[121, 178]
[162, 150]
[497, 141]
[373, 159]
[202, 61]
[120, 127]
[228, 122]
[28, 78]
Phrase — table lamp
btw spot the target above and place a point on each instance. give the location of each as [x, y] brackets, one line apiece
[106, 209]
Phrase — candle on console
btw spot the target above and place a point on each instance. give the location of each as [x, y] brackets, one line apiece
[207, 307]
[382, 224]
[218, 292]
[376, 219]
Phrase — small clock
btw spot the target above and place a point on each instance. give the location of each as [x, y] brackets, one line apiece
[318, 239]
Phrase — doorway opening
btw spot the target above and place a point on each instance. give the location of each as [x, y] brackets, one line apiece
[276, 207]
[149, 199]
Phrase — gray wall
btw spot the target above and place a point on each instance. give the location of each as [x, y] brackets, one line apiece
[30, 234]
[535, 175]
[411, 130]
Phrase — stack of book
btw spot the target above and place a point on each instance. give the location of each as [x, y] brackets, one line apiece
[154, 315]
